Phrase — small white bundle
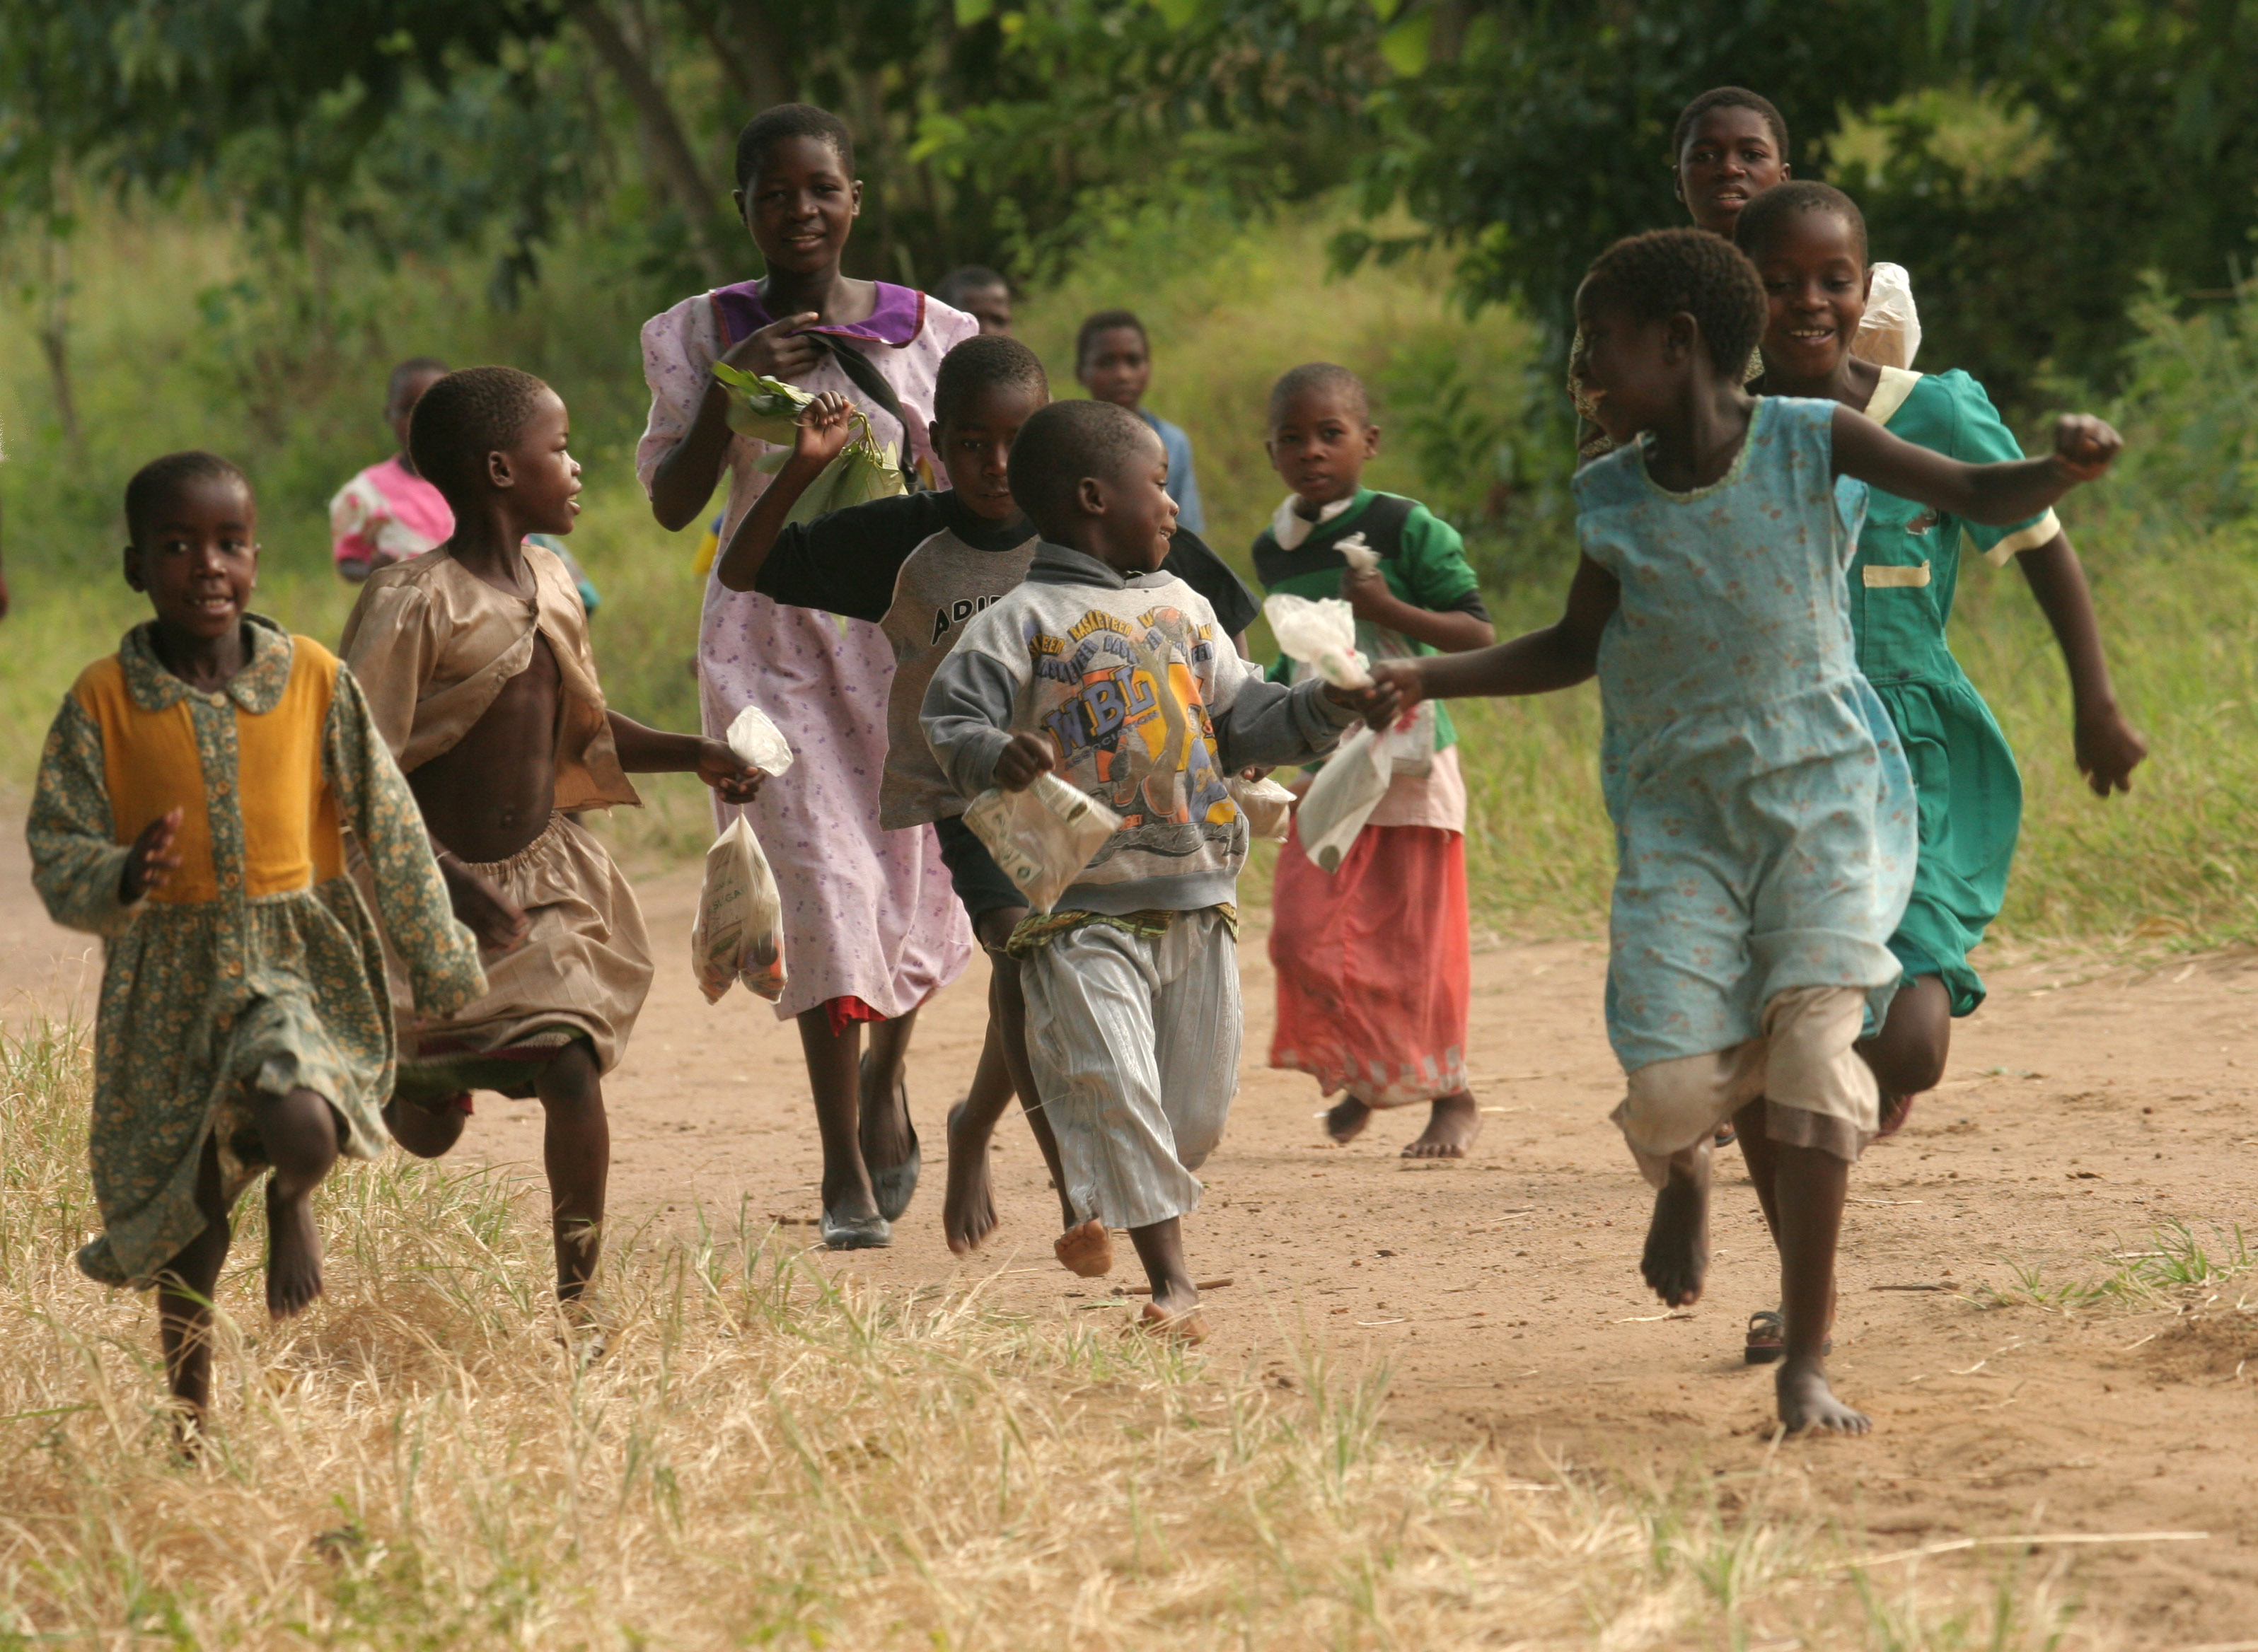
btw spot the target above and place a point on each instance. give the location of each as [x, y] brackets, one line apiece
[1890, 334]
[739, 933]
[1344, 795]
[758, 741]
[1041, 837]
[1321, 635]
[1268, 806]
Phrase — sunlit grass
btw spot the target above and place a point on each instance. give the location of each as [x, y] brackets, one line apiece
[2172, 1267]
[766, 1455]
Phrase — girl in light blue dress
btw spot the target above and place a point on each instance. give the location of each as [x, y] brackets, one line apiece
[1765, 815]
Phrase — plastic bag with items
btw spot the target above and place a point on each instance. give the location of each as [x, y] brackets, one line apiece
[739, 932]
[1321, 635]
[1339, 801]
[1890, 334]
[1268, 806]
[1042, 837]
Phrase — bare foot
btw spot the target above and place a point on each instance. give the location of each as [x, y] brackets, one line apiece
[1087, 1250]
[1453, 1124]
[293, 1253]
[1806, 1402]
[1346, 1118]
[1677, 1258]
[426, 1131]
[967, 1210]
[1179, 1324]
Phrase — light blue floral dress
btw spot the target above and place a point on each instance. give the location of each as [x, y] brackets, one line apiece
[1764, 816]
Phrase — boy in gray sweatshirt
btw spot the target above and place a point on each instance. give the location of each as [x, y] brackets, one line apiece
[1119, 677]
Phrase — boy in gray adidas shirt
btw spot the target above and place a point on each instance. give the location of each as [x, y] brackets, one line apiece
[1114, 672]
[921, 566]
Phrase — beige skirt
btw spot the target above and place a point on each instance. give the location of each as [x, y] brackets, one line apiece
[582, 972]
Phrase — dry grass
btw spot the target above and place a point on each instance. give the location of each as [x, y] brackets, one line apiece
[766, 1458]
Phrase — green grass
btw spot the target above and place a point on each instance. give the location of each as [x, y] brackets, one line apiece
[279, 362]
[2169, 1268]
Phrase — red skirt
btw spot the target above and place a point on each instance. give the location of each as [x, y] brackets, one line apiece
[1374, 966]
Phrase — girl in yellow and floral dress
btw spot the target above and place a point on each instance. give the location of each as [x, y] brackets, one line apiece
[191, 803]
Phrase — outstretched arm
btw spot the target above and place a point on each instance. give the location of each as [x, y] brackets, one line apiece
[822, 436]
[1561, 655]
[652, 751]
[2107, 747]
[1996, 494]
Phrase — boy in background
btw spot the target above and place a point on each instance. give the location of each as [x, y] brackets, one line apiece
[1116, 674]
[981, 293]
[1113, 360]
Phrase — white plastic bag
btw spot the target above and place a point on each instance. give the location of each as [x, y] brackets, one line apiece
[1890, 335]
[1041, 837]
[758, 741]
[1268, 806]
[1322, 635]
[739, 933]
[1342, 797]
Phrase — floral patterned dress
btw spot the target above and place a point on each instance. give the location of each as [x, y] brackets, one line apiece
[255, 968]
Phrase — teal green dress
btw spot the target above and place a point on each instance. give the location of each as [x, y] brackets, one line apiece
[1901, 588]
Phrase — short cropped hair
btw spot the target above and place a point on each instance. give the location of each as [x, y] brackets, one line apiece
[463, 418]
[1060, 446]
[962, 282]
[1324, 376]
[1727, 98]
[414, 367]
[1104, 321]
[157, 484]
[1761, 219]
[982, 363]
[773, 125]
[1666, 270]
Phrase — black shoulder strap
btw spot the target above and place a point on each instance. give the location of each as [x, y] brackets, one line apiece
[864, 374]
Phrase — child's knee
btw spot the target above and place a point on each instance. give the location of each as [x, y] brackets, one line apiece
[300, 1131]
[1671, 1105]
[571, 1078]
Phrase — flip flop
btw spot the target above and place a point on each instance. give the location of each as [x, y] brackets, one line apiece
[1767, 1343]
[1894, 1119]
[896, 1185]
[867, 1233]
[1726, 1136]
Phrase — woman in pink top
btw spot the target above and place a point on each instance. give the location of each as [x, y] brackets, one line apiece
[871, 926]
[388, 513]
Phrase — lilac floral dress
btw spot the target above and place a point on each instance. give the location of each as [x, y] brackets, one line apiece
[869, 915]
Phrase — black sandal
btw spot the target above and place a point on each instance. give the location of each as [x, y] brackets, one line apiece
[1767, 1342]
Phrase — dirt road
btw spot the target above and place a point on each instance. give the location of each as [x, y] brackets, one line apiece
[2091, 1100]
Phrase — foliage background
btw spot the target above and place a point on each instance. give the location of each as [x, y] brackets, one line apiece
[223, 222]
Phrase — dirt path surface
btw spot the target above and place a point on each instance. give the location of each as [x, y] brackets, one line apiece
[2091, 1100]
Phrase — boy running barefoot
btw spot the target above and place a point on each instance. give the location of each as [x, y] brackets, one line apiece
[1118, 675]
[189, 811]
[921, 566]
[476, 661]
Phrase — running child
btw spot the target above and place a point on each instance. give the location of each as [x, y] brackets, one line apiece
[1117, 674]
[1809, 243]
[921, 566]
[871, 925]
[189, 811]
[1373, 959]
[475, 659]
[1113, 361]
[1765, 815]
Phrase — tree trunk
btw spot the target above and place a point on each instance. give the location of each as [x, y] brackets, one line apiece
[55, 338]
[677, 174]
[751, 48]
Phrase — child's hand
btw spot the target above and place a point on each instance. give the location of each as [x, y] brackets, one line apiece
[2108, 749]
[1368, 597]
[151, 860]
[1026, 757]
[2084, 445]
[497, 923]
[1253, 772]
[1378, 704]
[781, 350]
[720, 767]
[826, 425]
[1396, 687]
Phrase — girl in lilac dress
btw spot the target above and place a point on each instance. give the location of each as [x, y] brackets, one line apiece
[872, 928]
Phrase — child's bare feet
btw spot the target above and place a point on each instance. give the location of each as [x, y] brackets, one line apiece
[1182, 1324]
[1806, 1402]
[294, 1253]
[1087, 1250]
[967, 1208]
[1453, 1124]
[1346, 1118]
[1677, 1258]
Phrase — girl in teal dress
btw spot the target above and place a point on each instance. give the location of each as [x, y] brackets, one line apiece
[1764, 811]
[1808, 242]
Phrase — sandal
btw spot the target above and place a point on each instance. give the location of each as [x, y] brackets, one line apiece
[1726, 1135]
[1767, 1342]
